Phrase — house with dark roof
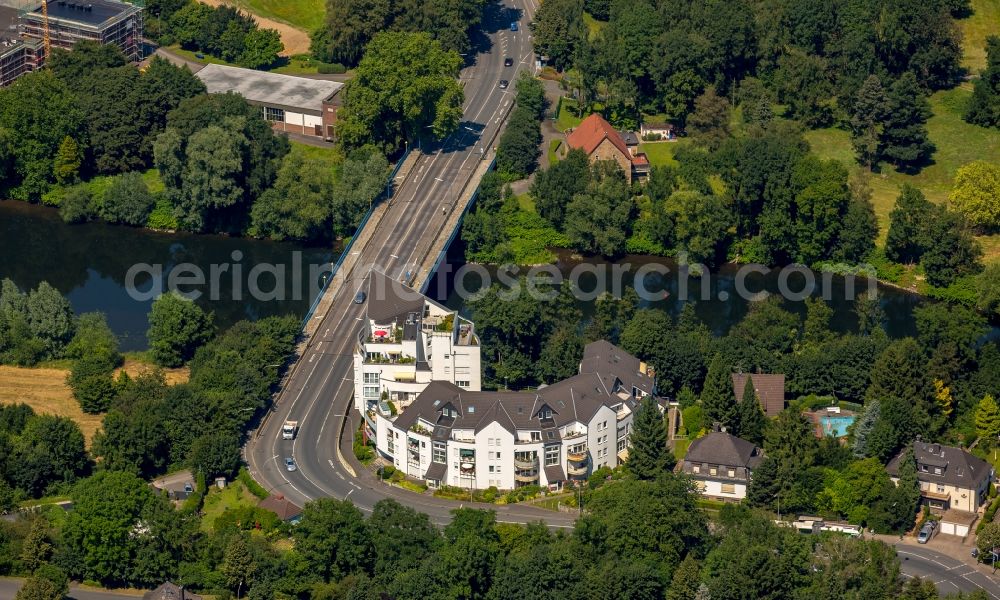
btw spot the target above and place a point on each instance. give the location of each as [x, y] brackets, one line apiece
[950, 478]
[770, 390]
[406, 341]
[286, 510]
[170, 591]
[564, 431]
[722, 464]
[600, 141]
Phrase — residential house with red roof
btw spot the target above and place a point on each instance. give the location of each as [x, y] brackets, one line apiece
[600, 141]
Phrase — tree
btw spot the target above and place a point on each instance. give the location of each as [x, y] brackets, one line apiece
[709, 123]
[717, 399]
[860, 225]
[212, 174]
[332, 539]
[216, 454]
[953, 252]
[298, 206]
[37, 546]
[91, 381]
[519, 146]
[907, 236]
[92, 336]
[751, 420]
[686, 580]
[649, 457]
[404, 89]
[41, 588]
[871, 316]
[701, 224]
[554, 188]
[177, 327]
[50, 317]
[67, 163]
[904, 130]
[261, 48]
[868, 114]
[361, 181]
[127, 201]
[988, 289]
[863, 428]
[238, 564]
[597, 220]
[559, 31]
[988, 539]
[988, 417]
[977, 187]
[984, 106]
[560, 356]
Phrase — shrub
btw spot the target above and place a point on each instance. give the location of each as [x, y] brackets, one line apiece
[91, 382]
[162, 217]
[331, 68]
[127, 201]
[77, 205]
[248, 481]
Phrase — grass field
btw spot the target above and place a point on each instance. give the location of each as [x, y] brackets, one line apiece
[957, 143]
[304, 14]
[660, 153]
[234, 495]
[982, 23]
[45, 390]
[567, 115]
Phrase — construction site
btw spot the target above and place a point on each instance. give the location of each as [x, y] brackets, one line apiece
[30, 29]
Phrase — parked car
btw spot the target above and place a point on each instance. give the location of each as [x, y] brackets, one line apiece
[925, 533]
[975, 553]
[359, 298]
[290, 464]
[503, 84]
[508, 62]
[513, 26]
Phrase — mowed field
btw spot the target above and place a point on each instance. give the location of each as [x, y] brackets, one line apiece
[303, 17]
[45, 390]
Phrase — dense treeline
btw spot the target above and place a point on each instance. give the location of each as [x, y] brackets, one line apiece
[658, 57]
[396, 552]
[221, 31]
[351, 24]
[520, 144]
[219, 165]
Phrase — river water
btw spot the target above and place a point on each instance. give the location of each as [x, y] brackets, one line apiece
[89, 264]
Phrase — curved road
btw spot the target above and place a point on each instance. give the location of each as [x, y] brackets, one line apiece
[319, 391]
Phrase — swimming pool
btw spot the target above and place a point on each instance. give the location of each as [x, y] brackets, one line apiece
[835, 425]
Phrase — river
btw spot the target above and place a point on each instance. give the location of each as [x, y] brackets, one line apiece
[718, 305]
[89, 264]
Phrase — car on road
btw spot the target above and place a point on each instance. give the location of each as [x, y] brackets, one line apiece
[359, 298]
[290, 464]
[508, 62]
[513, 26]
[925, 533]
[503, 84]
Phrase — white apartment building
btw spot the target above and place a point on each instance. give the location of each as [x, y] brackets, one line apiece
[454, 436]
[407, 341]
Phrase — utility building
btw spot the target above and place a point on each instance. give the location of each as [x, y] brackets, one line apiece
[292, 104]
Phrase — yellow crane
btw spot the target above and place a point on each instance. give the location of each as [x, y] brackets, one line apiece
[46, 40]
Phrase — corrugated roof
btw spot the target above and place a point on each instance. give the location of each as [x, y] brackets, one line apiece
[269, 88]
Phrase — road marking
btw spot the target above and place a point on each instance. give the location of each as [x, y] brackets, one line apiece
[312, 357]
[348, 494]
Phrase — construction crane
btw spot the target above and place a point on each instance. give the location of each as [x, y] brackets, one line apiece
[46, 40]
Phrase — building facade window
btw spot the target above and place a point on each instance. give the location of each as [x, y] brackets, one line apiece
[713, 471]
[440, 452]
[462, 384]
[536, 436]
[551, 455]
[731, 473]
[371, 391]
[371, 377]
[274, 114]
[728, 488]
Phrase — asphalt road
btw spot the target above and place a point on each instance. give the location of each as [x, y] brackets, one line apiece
[318, 393]
[9, 588]
[949, 574]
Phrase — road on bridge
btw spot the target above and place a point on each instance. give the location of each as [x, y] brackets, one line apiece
[318, 392]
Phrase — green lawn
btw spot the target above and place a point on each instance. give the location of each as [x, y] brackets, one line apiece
[661, 154]
[567, 117]
[957, 143]
[304, 14]
[554, 151]
[681, 448]
[300, 64]
[982, 23]
[217, 501]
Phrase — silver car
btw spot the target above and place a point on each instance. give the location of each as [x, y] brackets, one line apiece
[290, 465]
[925, 533]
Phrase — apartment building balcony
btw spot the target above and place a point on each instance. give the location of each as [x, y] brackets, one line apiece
[526, 462]
[526, 476]
[576, 470]
[935, 495]
[389, 359]
[577, 455]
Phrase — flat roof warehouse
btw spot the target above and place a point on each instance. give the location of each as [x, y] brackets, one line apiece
[270, 89]
[91, 12]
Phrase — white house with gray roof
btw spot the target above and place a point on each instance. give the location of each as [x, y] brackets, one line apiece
[567, 430]
[950, 478]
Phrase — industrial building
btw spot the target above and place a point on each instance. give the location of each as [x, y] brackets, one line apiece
[22, 30]
[292, 104]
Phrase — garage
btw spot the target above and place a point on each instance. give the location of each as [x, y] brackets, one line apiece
[957, 523]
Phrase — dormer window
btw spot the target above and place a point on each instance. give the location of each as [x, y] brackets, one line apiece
[937, 470]
[545, 414]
